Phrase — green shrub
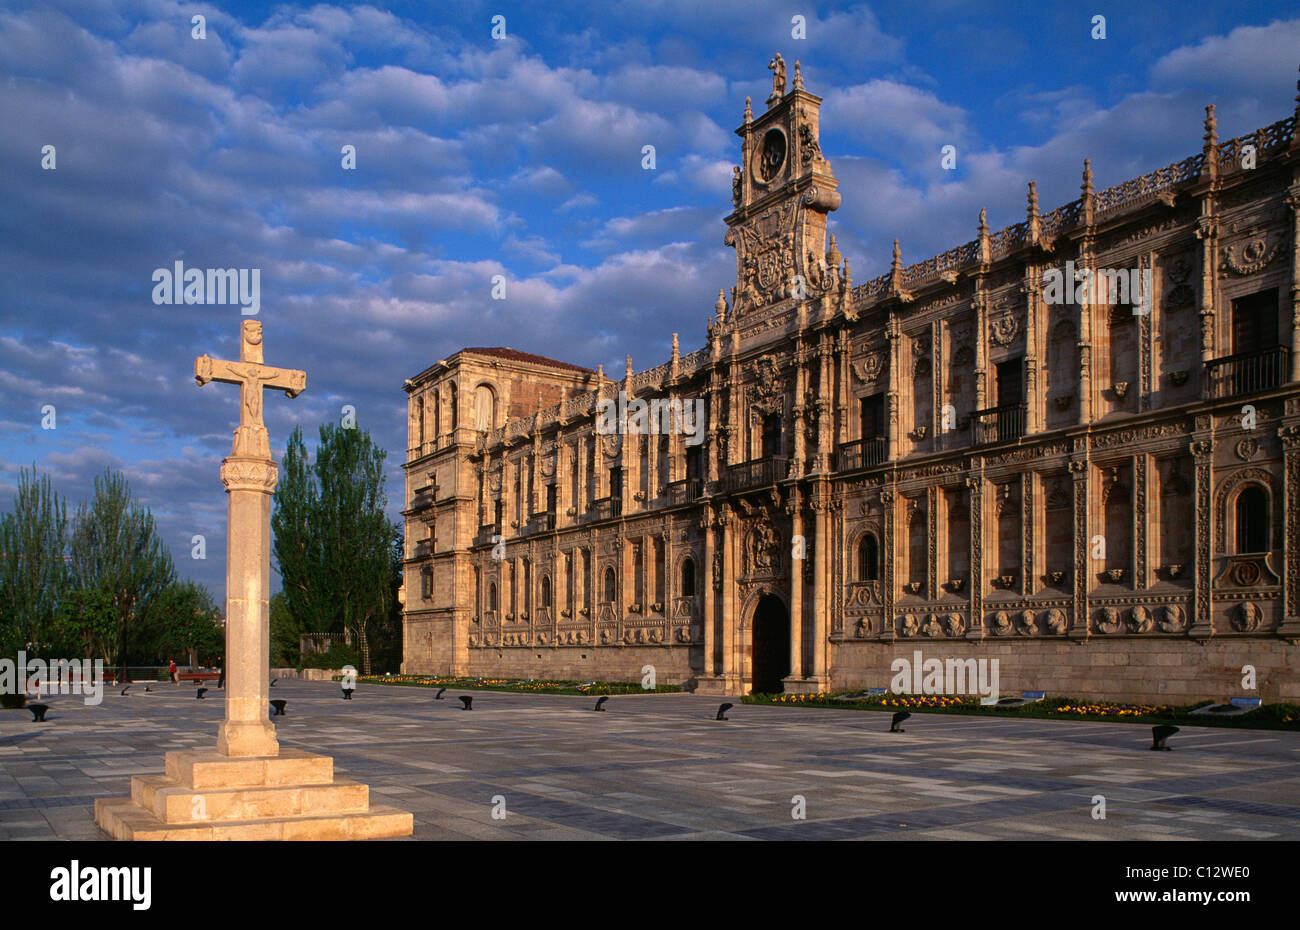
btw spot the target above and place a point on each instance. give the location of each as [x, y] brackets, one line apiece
[337, 656]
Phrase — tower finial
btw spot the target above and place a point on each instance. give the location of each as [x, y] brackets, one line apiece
[833, 254]
[984, 221]
[897, 262]
[720, 308]
[749, 112]
[1033, 200]
[798, 76]
[676, 351]
[1211, 126]
[628, 373]
[1086, 187]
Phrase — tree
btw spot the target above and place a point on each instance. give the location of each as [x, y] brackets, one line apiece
[184, 619]
[33, 567]
[332, 537]
[116, 548]
[86, 623]
[285, 633]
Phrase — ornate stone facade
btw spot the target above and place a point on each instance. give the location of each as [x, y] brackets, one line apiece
[1102, 492]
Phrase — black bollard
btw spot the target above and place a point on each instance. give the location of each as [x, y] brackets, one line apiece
[438, 696]
[347, 694]
[898, 718]
[126, 689]
[199, 694]
[600, 702]
[1161, 733]
[722, 711]
[38, 712]
[467, 701]
[278, 708]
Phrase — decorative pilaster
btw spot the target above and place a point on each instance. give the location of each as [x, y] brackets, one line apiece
[795, 508]
[1293, 201]
[1028, 493]
[1202, 448]
[932, 541]
[1079, 469]
[1290, 436]
[821, 545]
[1086, 260]
[888, 546]
[1141, 473]
[975, 501]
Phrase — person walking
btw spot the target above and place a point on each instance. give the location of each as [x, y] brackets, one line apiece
[171, 671]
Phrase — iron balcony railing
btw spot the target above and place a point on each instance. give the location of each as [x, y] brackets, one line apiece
[607, 508]
[757, 473]
[684, 491]
[1249, 372]
[997, 424]
[862, 453]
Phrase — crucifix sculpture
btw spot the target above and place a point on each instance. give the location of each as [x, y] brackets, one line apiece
[250, 476]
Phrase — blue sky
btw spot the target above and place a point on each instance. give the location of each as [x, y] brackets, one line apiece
[519, 156]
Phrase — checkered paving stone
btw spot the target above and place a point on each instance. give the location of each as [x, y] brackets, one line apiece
[657, 767]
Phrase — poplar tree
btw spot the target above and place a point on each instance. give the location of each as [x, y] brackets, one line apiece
[33, 567]
[333, 540]
[116, 548]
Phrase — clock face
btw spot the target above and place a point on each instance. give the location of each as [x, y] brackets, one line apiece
[771, 154]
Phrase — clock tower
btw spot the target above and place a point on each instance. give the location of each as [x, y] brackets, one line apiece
[782, 191]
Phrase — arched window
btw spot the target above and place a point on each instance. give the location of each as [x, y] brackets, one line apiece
[546, 591]
[485, 407]
[610, 586]
[688, 578]
[452, 404]
[492, 596]
[1252, 520]
[868, 559]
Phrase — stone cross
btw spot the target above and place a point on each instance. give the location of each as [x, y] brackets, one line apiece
[250, 476]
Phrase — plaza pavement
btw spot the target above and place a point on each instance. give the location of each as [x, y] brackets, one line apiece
[660, 767]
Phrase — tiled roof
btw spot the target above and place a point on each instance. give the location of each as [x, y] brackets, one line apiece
[515, 355]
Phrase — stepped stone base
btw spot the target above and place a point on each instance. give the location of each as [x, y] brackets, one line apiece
[207, 796]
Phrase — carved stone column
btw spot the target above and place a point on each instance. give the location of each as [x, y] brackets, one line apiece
[730, 666]
[1080, 468]
[888, 560]
[932, 541]
[1290, 436]
[893, 384]
[1202, 447]
[710, 595]
[1141, 473]
[975, 584]
[820, 506]
[1028, 519]
[1293, 201]
[795, 508]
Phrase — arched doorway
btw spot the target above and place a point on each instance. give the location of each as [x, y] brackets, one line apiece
[771, 645]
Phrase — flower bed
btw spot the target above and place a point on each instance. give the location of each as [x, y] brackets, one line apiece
[1268, 717]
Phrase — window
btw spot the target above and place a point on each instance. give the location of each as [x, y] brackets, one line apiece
[550, 499]
[1254, 322]
[496, 526]
[771, 435]
[694, 463]
[451, 401]
[492, 596]
[419, 412]
[611, 593]
[688, 578]
[616, 483]
[1252, 520]
[868, 559]
[485, 405]
[1010, 382]
[546, 592]
[873, 416]
[426, 584]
